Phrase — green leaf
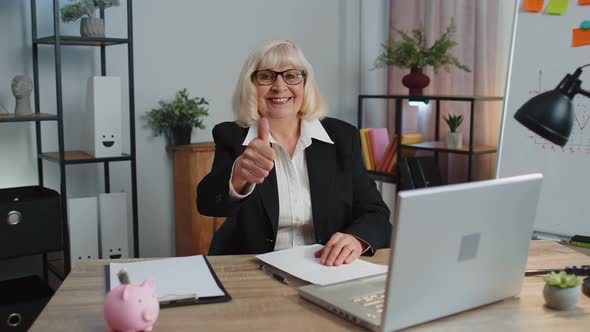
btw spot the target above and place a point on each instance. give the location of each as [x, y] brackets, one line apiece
[182, 111]
[413, 51]
[81, 8]
[453, 121]
[562, 280]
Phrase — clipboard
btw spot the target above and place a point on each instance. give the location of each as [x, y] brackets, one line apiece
[185, 301]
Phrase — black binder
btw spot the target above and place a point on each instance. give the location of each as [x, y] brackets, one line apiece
[176, 303]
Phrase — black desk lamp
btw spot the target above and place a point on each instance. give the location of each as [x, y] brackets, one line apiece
[551, 113]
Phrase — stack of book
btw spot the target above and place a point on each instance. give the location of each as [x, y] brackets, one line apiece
[380, 153]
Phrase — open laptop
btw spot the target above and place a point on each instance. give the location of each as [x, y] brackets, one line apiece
[454, 248]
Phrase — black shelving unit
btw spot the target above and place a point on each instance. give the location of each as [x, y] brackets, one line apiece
[435, 146]
[62, 157]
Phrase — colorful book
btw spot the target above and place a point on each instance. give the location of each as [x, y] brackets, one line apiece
[379, 142]
[391, 149]
[411, 138]
[365, 146]
[391, 158]
[370, 150]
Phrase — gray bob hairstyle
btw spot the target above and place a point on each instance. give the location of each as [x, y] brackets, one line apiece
[274, 53]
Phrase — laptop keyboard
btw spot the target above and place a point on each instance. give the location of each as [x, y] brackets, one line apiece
[373, 301]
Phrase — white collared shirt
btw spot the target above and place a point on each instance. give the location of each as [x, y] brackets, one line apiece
[295, 218]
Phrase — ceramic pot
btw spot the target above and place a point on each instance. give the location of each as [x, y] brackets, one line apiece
[561, 298]
[453, 140]
[92, 27]
[182, 135]
[415, 81]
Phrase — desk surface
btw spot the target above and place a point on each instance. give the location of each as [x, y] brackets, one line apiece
[261, 303]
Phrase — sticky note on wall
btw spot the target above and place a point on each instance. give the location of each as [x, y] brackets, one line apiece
[534, 5]
[580, 37]
[557, 7]
[583, 2]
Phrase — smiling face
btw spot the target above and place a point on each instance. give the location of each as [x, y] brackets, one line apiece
[107, 140]
[279, 100]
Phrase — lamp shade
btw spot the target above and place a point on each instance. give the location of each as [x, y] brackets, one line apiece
[550, 115]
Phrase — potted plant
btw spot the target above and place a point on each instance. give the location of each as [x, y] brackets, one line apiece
[177, 118]
[453, 139]
[413, 52]
[561, 290]
[90, 26]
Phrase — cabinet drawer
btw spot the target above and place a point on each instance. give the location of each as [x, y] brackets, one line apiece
[30, 221]
[22, 301]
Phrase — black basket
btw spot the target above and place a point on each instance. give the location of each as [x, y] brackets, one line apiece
[21, 302]
[30, 221]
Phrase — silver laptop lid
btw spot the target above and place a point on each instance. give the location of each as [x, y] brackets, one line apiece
[458, 247]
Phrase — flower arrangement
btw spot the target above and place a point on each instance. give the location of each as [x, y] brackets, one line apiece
[453, 121]
[412, 51]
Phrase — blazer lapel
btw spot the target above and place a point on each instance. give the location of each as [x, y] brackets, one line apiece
[267, 190]
[321, 162]
[270, 199]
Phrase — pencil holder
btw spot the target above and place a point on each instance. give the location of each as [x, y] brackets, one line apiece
[131, 308]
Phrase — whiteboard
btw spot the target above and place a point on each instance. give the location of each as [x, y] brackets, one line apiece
[541, 55]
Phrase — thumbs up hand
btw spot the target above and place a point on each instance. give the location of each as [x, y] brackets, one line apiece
[254, 165]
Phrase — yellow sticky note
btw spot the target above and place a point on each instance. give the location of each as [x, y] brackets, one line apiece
[557, 7]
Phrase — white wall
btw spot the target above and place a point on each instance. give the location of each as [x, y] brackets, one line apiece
[200, 45]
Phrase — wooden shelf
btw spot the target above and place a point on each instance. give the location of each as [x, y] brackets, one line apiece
[82, 41]
[33, 117]
[81, 157]
[440, 147]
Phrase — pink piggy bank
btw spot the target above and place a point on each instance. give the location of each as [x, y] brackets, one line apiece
[130, 308]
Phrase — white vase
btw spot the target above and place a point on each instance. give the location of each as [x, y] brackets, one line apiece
[453, 140]
[561, 298]
[92, 27]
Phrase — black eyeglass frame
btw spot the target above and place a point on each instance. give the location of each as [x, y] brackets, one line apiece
[254, 78]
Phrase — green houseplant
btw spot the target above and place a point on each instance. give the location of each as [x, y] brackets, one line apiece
[177, 118]
[90, 26]
[453, 139]
[412, 51]
[561, 290]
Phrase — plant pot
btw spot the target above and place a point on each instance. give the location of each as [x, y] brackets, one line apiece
[561, 298]
[453, 140]
[182, 135]
[92, 27]
[415, 81]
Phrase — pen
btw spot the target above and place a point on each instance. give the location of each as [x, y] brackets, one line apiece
[177, 299]
[581, 270]
[275, 275]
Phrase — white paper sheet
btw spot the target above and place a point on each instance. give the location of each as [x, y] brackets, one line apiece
[301, 263]
[176, 277]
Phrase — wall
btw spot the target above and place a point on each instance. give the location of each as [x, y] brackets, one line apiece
[198, 45]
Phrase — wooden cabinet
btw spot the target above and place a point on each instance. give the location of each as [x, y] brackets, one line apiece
[194, 231]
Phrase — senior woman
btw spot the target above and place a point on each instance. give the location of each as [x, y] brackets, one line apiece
[284, 174]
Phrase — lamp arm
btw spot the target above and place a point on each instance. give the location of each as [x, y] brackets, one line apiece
[584, 92]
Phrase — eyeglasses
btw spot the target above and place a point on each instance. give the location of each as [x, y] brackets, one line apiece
[268, 77]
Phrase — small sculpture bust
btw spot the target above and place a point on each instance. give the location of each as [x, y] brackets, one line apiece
[21, 89]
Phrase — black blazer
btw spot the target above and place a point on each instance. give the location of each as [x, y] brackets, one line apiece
[343, 198]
